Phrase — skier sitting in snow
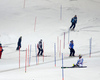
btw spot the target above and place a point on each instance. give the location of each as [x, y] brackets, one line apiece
[79, 62]
[39, 46]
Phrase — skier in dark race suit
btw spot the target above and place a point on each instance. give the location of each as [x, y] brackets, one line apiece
[39, 46]
[19, 43]
[73, 21]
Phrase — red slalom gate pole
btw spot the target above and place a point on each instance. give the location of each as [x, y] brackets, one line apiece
[19, 57]
[43, 51]
[24, 4]
[60, 49]
[26, 60]
[28, 55]
[35, 24]
[55, 53]
[58, 44]
[37, 56]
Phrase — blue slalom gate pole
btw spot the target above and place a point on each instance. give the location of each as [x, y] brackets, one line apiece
[64, 41]
[62, 68]
[68, 35]
[36, 52]
[90, 47]
[30, 56]
[61, 12]
[55, 53]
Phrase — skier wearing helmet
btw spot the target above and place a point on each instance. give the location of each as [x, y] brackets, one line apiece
[73, 21]
[19, 43]
[39, 46]
[79, 62]
[71, 47]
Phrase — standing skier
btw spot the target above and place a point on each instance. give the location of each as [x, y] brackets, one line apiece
[19, 43]
[1, 50]
[71, 47]
[39, 46]
[73, 21]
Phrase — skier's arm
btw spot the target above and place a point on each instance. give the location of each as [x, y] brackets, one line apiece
[77, 62]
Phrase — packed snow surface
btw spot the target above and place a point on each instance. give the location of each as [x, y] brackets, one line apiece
[48, 20]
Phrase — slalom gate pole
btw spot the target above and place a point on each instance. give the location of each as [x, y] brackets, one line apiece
[61, 12]
[38, 56]
[43, 51]
[24, 4]
[36, 53]
[60, 49]
[64, 41]
[62, 68]
[19, 56]
[58, 44]
[55, 53]
[90, 47]
[68, 35]
[30, 56]
[26, 60]
[35, 24]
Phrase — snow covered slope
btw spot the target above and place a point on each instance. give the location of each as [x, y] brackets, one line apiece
[17, 18]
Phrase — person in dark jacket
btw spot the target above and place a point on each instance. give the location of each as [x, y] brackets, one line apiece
[71, 47]
[1, 50]
[73, 21]
[39, 46]
[19, 43]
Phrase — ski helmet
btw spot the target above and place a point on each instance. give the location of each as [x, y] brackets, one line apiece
[80, 55]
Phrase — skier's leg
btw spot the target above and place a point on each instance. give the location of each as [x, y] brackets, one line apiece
[74, 26]
[20, 45]
[41, 51]
[71, 52]
[71, 26]
[38, 51]
[17, 48]
[0, 54]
